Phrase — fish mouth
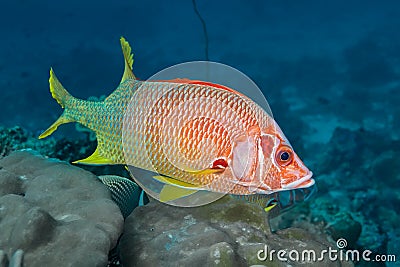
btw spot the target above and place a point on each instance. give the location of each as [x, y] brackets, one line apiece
[303, 182]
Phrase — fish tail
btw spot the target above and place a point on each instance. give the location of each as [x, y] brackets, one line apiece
[58, 92]
[61, 95]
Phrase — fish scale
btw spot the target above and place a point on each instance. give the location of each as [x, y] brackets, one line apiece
[166, 100]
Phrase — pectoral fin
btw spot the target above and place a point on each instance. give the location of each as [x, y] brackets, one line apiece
[219, 165]
[205, 171]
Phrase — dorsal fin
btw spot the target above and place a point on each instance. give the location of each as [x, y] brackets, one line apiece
[219, 86]
[128, 59]
[215, 85]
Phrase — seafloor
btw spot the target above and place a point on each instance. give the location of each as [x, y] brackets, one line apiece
[329, 70]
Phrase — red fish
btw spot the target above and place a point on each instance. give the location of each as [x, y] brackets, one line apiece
[196, 135]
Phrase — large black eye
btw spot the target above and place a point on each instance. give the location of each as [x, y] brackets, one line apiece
[285, 156]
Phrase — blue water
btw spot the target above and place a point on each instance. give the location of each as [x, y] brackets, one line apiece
[323, 66]
[279, 44]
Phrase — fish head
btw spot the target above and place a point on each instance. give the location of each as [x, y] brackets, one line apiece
[265, 162]
[280, 168]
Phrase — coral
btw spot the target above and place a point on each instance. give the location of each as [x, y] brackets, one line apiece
[337, 222]
[343, 204]
[16, 259]
[54, 211]
[393, 248]
[357, 174]
[228, 232]
[16, 138]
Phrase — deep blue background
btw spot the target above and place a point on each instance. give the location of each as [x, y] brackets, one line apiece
[308, 57]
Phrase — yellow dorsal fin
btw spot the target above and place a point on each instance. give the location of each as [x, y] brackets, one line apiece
[95, 159]
[170, 192]
[128, 59]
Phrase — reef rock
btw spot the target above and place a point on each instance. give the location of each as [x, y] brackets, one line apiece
[228, 232]
[57, 214]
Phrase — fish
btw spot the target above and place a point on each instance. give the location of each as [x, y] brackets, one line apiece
[281, 201]
[195, 135]
[124, 192]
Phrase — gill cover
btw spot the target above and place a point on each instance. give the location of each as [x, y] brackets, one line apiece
[245, 155]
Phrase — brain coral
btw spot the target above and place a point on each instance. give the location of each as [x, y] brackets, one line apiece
[58, 214]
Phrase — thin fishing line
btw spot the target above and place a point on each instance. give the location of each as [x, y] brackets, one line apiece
[203, 23]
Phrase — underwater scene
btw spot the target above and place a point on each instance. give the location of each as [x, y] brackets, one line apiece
[200, 133]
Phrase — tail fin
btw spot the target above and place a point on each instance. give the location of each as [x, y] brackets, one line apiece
[61, 95]
[58, 92]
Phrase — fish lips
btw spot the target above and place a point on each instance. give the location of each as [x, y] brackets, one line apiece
[303, 182]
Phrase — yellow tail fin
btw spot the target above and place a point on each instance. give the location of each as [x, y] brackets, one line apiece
[61, 120]
[60, 94]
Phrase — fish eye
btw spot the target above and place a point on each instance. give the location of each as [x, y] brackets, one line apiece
[284, 155]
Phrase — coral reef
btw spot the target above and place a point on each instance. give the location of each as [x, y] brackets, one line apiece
[16, 259]
[366, 215]
[358, 175]
[53, 212]
[228, 232]
[16, 138]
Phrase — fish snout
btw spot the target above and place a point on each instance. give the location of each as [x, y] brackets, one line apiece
[303, 182]
[297, 175]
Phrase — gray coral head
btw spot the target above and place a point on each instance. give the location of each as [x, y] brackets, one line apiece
[16, 259]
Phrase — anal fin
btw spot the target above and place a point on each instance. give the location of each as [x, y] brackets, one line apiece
[174, 189]
[170, 192]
